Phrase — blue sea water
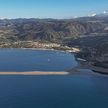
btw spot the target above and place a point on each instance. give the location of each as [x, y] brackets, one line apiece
[35, 60]
[70, 91]
[74, 91]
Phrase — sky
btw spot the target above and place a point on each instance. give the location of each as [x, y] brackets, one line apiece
[50, 8]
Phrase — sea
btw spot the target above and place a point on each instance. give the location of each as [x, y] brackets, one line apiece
[49, 91]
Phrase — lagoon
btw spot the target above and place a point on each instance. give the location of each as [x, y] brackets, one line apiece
[21, 60]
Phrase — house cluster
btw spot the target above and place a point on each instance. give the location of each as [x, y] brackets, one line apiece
[44, 45]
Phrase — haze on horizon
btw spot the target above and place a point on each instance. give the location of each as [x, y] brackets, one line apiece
[50, 8]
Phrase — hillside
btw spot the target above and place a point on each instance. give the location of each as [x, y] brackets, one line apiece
[47, 29]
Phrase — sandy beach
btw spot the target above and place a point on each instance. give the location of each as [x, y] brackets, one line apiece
[33, 73]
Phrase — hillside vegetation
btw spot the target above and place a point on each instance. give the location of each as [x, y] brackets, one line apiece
[47, 30]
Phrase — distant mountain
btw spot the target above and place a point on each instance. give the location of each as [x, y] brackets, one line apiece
[104, 14]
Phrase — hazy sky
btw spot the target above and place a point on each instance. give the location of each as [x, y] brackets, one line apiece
[50, 8]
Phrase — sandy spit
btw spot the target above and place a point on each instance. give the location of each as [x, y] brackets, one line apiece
[33, 73]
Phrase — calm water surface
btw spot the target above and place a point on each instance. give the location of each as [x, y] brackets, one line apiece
[35, 60]
[73, 91]
[53, 91]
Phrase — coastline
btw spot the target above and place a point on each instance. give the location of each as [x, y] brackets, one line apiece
[99, 70]
[46, 49]
[62, 49]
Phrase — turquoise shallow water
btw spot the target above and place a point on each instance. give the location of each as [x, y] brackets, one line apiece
[35, 60]
[54, 91]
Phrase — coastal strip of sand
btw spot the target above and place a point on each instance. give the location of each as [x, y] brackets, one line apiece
[34, 73]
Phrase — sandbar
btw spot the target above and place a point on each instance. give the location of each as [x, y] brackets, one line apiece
[33, 73]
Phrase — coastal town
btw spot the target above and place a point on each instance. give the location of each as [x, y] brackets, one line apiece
[39, 45]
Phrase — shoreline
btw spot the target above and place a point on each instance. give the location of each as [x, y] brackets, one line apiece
[99, 70]
[74, 50]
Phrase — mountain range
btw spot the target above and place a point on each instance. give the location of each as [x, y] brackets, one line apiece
[53, 30]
